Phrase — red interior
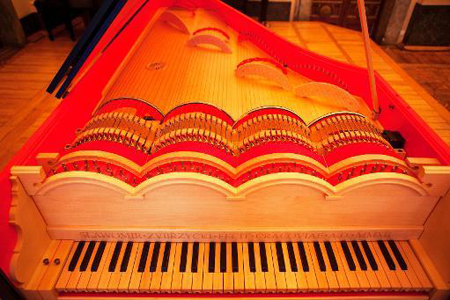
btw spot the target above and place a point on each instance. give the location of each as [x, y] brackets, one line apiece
[76, 109]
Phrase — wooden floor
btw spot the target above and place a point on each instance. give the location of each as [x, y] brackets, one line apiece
[429, 68]
[24, 104]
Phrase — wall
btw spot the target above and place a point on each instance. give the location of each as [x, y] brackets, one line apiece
[23, 7]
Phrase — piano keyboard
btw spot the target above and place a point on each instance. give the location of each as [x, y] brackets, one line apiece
[233, 267]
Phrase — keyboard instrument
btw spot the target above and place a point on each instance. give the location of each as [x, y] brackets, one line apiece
[197, 154]
[236, 267]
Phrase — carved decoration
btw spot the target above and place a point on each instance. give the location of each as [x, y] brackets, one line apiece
[265, 71]
[330, 92]
[175, 21]
[32, 237]
[208, 39]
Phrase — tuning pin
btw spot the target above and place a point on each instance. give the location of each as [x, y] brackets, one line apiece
[75, 166]
[53, 171]
[86, 165]
[183, 168]
[64, 167]
[374, 168]
[340, 176]
[108, 169]
[134, 181]
[395, 168]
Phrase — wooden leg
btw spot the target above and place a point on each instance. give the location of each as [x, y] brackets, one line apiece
[263, 11]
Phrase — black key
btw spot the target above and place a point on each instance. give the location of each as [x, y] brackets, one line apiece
[319, 255]
[183, 262]
[115, 257]
[76, 256]
[155, 255]
[302, 252]
[194, 264]
[386, 255]
[398, 255]
[87, 256]
[348, 256]
[144, 256]
[212, 257]
[263, 254]
[234, 257]
[126, 257]
[251, 257]
[331, 257]
[369, 255]
[223, 257]
[98, 257]
[165, 262]
[280, 257]
[359, 256]
[292, 260]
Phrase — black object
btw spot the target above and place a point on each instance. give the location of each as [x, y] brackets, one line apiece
[212, 257]
[55, 12]
[126, 257]
[319, 255]
[263, 254]
[194, 265]
[155, 255]
[369, 254]
[398, 255]
[301, 250]
[223, 257]
[98, 256]
[76, 256]
[184, 250]
[292, 259]
[386, 255]
[251, 257]
[348, 256]
[87, 256]
[395, 139]
[165, 262]
[331, 257]
[281, 263]
[115, 257]
[359, 256]
[234, 257]
[144, 256]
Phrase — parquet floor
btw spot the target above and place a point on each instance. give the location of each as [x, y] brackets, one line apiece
[24, 105]
[429, 69]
